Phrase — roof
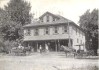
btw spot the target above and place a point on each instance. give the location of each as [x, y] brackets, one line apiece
[38, 23]
[49, 14]
[62, 20]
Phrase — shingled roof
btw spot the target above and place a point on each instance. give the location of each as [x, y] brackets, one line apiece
[61, 20]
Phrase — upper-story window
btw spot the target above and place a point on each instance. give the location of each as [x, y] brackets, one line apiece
[53, 19]
[65, 29]
[81, 42]
[79, 33]
[28, 32]
[55, 30]
[36, 32]
[47, 30]
[41, 20]
[76, 31]
[47, 17]
[77, 40]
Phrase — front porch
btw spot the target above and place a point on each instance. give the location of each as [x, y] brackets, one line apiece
[53, 45]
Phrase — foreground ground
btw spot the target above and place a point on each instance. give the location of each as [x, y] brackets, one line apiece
[46, 61]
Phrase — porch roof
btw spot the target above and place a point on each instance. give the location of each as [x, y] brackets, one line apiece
[47, 37]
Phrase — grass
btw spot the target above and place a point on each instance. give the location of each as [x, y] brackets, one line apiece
[82, 68]
[87, 68]
[49, 61]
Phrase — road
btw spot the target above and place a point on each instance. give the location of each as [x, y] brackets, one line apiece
[46, 61]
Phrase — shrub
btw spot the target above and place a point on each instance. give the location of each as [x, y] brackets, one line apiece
[9, 45]
[90, 53]
[18, 51]
[1, 46]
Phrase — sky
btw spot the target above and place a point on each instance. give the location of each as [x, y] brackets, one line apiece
[71, 9]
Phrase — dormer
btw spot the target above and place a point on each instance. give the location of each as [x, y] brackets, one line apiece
[48, 17]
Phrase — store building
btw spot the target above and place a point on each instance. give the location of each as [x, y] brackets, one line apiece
[54, 31]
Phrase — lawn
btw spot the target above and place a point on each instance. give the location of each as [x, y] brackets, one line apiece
[48, 61]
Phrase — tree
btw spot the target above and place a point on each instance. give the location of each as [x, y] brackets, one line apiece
[12, 18]
[19, 11]
[89, 22]
[94, 30]
[18, 14]
[3, 21]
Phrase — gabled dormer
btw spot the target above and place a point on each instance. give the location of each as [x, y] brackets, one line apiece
[48, 17]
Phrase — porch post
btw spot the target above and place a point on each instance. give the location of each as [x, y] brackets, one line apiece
[83, 47]
[55, 46]
[28, 44]
[59, 45]
[37, 46]
[45, 44]
[79, 47]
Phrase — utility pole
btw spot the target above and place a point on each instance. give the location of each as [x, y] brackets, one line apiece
[69, 42]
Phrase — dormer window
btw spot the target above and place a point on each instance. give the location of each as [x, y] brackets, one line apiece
[47, 18]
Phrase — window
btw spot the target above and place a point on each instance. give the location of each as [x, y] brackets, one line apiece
[55, 29]
[79, 33]
[76, 31]
[47, 30]
[41, 20]
[36, 32]
[81, 41]
[77, 40]
[47, 18]
[53, 19]
[64, 29]
[28, 32]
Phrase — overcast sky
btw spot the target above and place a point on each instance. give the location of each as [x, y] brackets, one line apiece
[70, 9]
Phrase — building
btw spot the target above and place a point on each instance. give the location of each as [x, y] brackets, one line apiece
[54, 31]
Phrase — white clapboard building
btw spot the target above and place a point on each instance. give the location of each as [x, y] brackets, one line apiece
[54, 31]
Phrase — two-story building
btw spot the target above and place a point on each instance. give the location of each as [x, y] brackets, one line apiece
[54, 31]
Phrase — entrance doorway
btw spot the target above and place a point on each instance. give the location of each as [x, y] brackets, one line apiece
[52, 46]
[64, 42]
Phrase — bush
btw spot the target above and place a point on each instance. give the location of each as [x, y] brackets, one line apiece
[18, 51]
[90, 53]
[1, 46]
[9, 45]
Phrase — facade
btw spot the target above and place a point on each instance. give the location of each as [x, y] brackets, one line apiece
[54, 31]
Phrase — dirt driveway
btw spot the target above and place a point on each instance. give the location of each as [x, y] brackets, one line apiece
[48, 61]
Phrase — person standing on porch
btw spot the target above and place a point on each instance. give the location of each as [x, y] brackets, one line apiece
[46, 48]
[40, 49]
